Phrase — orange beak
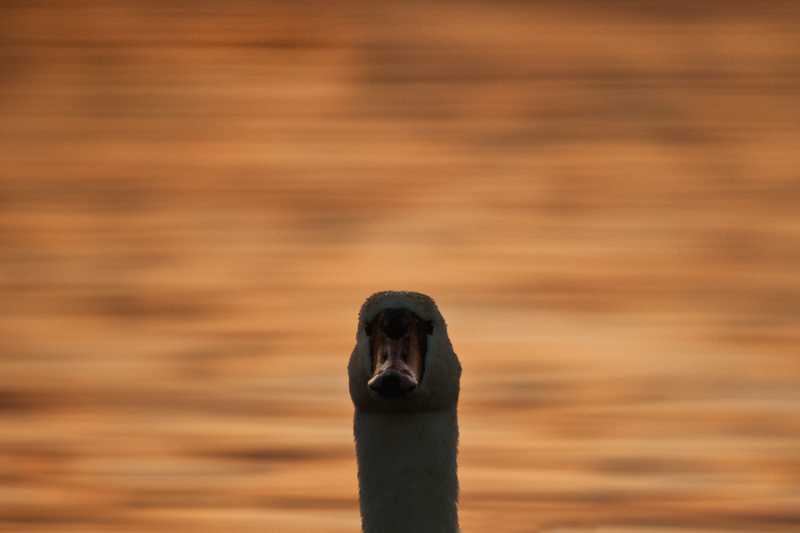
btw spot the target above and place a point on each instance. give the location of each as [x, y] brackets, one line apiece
[397, 365]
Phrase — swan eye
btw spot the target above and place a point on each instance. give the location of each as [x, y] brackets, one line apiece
[428, 327]
[368, 329]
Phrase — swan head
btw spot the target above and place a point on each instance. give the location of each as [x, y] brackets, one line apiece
[403, 360]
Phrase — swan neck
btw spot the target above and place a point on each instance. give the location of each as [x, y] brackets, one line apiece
[407, 471]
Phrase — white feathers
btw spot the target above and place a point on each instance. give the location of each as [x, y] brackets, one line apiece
[406, 447]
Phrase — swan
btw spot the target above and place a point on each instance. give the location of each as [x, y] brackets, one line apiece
[404, 383]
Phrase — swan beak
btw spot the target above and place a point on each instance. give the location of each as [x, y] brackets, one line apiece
[398, 366]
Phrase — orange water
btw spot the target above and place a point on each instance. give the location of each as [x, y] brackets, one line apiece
[196, 199]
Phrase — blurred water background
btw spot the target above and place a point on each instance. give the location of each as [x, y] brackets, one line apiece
[196, 198]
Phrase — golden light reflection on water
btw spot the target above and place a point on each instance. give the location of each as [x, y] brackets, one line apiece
[195, 201]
